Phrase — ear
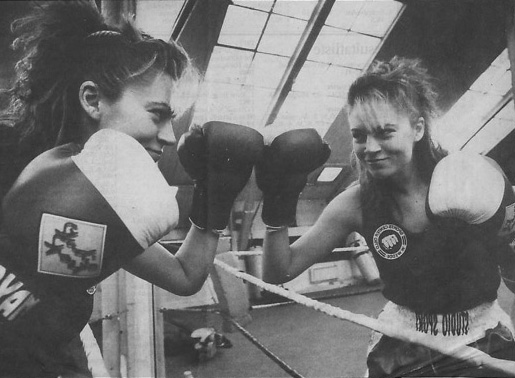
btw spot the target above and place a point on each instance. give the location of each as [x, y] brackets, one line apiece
[420, 128]
[89, 98]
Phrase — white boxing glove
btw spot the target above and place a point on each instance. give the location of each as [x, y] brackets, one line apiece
[472, 188]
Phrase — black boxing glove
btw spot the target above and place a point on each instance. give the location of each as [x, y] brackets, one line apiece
[219, 157]
[283, 173]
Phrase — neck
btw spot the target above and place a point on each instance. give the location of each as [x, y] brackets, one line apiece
[86, 128]
[407, 182]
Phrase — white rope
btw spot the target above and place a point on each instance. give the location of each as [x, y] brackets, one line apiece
[336, 250]
[247, 253]
[351, 249]
[462, 351]
[95, 361]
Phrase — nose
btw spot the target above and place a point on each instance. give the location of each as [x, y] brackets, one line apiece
[372, 145]
[166, 135]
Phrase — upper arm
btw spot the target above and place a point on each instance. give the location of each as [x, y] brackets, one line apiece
[340, 217]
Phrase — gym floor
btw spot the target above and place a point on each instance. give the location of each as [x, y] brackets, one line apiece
[313, 344]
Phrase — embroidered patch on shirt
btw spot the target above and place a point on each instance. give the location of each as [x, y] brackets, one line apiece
[390, 241]
[70, 247]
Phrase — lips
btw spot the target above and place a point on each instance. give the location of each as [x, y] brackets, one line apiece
[374, 161]
[155, 154]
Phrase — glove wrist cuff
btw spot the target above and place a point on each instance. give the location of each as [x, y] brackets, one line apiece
[213, 231]
[271, 229]
[280, 210]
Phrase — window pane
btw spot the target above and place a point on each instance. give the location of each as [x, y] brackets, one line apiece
[465, 118]
[228, 65]
[472, 110]
[242, 34]
[343, 48]
[326, 79]
[281, 35]
[329, 174]
[376, 17]
[344, 13]
[157, 17]
[255, 4]
[267, 70]
[308, 110]
[297, 9]
[239, 104]
[494, 131]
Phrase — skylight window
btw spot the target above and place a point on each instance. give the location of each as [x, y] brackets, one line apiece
[255, 4]
[329, 174]
[157, 17]
[376, 17]
[242, 27]
[266, 70]
[297, 9]
[261, 51]
[338, 46]
[282, 35]
[240, 104]
[325, 79]
[344, 13]
[494, 131]
[229, 65]
[308, 110]
[475, 108]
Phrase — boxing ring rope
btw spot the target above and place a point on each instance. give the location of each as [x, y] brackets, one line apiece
[94, 357]
[292, 372]
[336, 250]
[462, 352]
[283, 365]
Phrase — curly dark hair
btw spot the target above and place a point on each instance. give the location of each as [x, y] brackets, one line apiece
[64, 43]
[405, 84]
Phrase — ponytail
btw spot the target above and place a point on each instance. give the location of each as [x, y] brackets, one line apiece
[62, 44]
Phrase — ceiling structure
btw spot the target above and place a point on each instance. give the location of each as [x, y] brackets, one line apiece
[280, 65]
[276, 65]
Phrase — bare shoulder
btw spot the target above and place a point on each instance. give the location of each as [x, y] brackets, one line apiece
[345, 208]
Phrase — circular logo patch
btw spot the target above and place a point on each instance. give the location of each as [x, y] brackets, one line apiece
[390, 241]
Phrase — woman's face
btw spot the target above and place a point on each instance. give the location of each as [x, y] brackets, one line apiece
[143, 111]
[383, 139]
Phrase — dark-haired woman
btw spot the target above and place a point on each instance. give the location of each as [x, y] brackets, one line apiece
[434, 223]
[94, 104]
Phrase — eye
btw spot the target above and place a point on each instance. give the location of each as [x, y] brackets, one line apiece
[158, 113]
[163, 114]
[358, 136]
[385, 133]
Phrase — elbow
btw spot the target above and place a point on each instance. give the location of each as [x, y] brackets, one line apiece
[187, 290]
[187, 287]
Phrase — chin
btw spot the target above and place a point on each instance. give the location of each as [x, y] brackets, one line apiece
[381, 174]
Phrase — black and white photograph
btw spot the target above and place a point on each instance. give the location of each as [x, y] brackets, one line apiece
[257, 188]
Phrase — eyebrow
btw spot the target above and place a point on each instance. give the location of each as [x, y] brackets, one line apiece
[382, 127]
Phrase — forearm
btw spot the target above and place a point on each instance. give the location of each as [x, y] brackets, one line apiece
[196, 255]
[277, 256]
[183, 273]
